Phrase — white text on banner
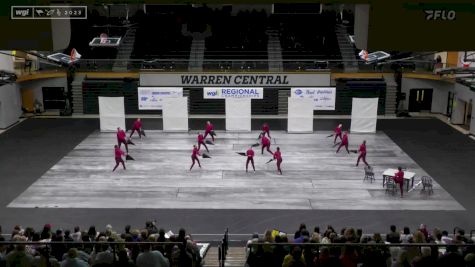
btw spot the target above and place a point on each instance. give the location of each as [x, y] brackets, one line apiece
[233, 92]
[151, 98]
[323, 97]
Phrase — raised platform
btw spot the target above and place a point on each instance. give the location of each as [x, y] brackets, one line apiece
[315, 177]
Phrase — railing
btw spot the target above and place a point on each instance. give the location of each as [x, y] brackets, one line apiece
[223, 248]
[245, 65]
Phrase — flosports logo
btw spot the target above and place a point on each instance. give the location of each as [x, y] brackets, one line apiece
[298, 92]
[440, 14]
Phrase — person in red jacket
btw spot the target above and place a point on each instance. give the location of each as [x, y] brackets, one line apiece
[338, 132]
[344, 142]
[137, 126]
[201, 141]
[194, 157]
[209, 130]
[362, 155]
[265, 129]
[118, 157]
[399, 179]
[265, 144]
[250, 158]
[278, 157]
[121, 139]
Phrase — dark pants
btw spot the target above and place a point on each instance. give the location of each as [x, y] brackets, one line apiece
[117, 162]
[337, 135]
[209, 132]
[279, 161]
[401, 187]
[345, 145]
[250, 159]
[363, 157]
[120, 142]
[202, 143]
[268, 149]
[138, 131]
[193, 159]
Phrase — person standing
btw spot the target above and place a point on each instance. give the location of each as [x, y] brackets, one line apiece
[265, 129]
[338, 132]
[121, 139]
[137, 126]
[265, 144]
[250, 158]
[194, 157]
[362, 155]
[278, 158]
[399, 179]
[344, 142]
[209, 130]
[118, 157]
[201, 141]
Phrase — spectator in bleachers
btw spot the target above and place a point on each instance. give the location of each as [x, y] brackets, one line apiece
[151, 258]
[316, 237]
[294, 259]
[77, 234]
[451, 258]
[393, 236]
[406, 235]
[18, 256]
[44, 259]
[445, 238]
[72, 260]
[301, 227]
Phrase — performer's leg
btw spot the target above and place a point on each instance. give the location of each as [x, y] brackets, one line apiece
[247, 162]
[346, 146]
[192, 162]
[132, 132]
[199, 164]
[119, 143]
[205, 147]
[199, 145]
[334, 141]
[359, 158]
[278, 166]
[126, 146]
[252, 162]
[140, 132]
[338, 150]
[268, 134]
[401, 187]
[123, 163]
[206, 134]
[262, 149]
[364, 160]
[116, 164]
[268, 150]
[212, 137]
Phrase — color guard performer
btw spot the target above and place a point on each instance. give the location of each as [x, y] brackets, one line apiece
[209, 130]
[265, 143]
[250, 158]
[344, 142]
[399, 179]
[278, 158]
[194, 157]
[118, 157]
[137, 126]
[338, 132]
[121, 139]
[362, 155]
[201, 141]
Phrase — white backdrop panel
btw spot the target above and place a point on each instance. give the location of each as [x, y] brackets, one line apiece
[300, 116]
[364, 115]
[238, 114]
[111, 113]
[175, 114]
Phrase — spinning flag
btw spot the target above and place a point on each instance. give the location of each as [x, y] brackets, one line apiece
[209, 142]
[128, 157]
[130, 142]
[241, 153]
[206, 156]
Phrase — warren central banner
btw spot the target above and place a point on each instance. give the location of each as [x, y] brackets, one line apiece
[151, 98]
[235, 92]
[323, 97]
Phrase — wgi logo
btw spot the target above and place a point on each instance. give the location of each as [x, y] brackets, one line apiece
[440, 14]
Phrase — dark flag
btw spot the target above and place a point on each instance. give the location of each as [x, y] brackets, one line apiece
[209, 142]
[142, 132]
[130, 142]
[128, 157]
[255, 145]
[269, 161]
[206, 156]
[330, 135]
[241, 153]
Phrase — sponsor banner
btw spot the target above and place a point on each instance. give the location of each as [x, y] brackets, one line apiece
[323, 97]
[234, 80]
[233, 92]
[151, 98]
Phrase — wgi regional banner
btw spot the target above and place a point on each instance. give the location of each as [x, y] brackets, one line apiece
[234, 92]
[323, 97]
[151, 98]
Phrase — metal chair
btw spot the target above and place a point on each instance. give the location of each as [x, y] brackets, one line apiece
[391, 186]
[368, 174]
[427, 183]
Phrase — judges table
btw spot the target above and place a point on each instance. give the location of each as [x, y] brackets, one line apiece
[408, 177]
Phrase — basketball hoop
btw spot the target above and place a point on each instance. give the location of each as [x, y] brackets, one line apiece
[104, 38]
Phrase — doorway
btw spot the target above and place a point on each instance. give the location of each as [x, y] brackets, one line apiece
[420, 100]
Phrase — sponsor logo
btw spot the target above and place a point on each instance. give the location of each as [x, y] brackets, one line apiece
[212, 93]
[298, 92]
[440, 14]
